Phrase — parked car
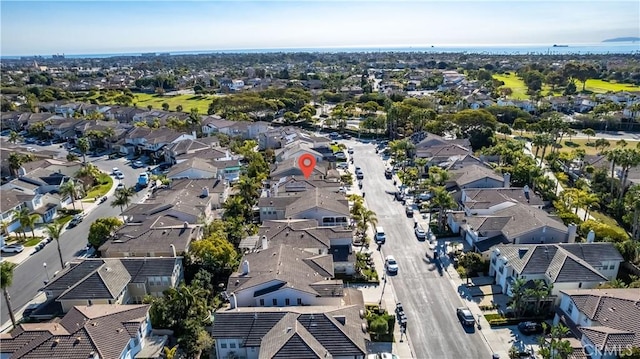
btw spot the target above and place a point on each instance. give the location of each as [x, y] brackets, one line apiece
[465, 316]
[408, 210]
[350, 150]
[421, 234]
[388, 173]
[119, 175]
[115, 170]
[359, 174]
[390, 264]
[137, 164]
[340, 155]
[75, 220]
[13, 248]
[342, 166]
[120, 186]
[30, 309]
[528, 328]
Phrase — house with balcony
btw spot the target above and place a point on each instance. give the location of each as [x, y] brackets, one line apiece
[563, 265]
[326, 207]
[92, 331]
[606, 322]
[113, 280]
[307, 235]
[283, 276]
[300, 332]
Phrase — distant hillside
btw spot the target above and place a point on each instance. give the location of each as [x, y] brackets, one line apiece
[622, 39]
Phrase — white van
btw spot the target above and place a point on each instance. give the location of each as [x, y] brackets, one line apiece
[380, 237]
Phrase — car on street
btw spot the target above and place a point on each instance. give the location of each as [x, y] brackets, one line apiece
[75, 220]
[529, 328]
[382, 356]
[408, 210]
[359, 174]
[342, 166]
[119, 175]
[465, 316]
[391, 265]
[388, 173]
[115, 170]
[13, 248]
[137, 164]
[340, 155]
[350, 150]
[421, 234]
[120, 186]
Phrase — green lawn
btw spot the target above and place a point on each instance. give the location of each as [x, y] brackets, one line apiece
[32, 241]
[101, 189]
[201, 102]
[64, 219]
[515, 84]
[605, 219]
[568, 146]
[601, 86]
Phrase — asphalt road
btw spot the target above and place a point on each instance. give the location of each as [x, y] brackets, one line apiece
[29, 277]
[428, 295]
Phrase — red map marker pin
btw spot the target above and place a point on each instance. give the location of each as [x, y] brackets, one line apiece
[307, 163]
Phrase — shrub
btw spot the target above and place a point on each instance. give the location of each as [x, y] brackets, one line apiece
[604, 231]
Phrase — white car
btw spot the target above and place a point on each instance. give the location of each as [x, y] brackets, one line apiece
[340, 155]
[13, 248]
[119, 175]
[115, 170]
[390, 264]
[342, 166]
[350, 150]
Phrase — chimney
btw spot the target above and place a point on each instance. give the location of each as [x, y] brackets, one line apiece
[185, 225]
[265, 242]
[571, 233]
[506, 180]
[205, 191]
[173, 250]
[245, 267]
[591, 237]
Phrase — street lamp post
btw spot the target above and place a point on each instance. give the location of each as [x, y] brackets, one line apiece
[46, 271]
[384, 285]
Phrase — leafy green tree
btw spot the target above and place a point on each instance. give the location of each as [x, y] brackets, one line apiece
[54, 230]
[6, 279]
[379, 325]
[214, 251]
[14, 137]
[101, 229]
[165, 106]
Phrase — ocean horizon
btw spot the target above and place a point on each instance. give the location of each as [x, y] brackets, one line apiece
[600, 48]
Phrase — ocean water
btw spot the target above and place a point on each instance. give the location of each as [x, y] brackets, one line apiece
[508, 49]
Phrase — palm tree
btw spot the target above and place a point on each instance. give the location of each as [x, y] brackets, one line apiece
[54, 230]
[14, 137]
[70, 189]
[16, 160]
[83, 147]
[613, 156]
[248, 188]
[123, 199]
[630, 158]
[170, 353]
[367, 217]
[443, 201]
[27, 219]
[6, 278]
[195, 120]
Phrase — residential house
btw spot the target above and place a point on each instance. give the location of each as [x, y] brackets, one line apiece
[245, 129]
[113, 280]
[213, 124]
[327, 208]
[298, 184]
[186, 200]
[161, 236]
[517, 224]
[564, 265]
[289, 167]
[300, 332]
[194, 168]
[284, 276]
[152, 141]
[93, 331]
[176, 149]
[477, 176]
[307, 235]
[12, 201]
[61, 127]
[123, 114]
[484, 201]
[228, 169]
[295, 150]
[605, 321]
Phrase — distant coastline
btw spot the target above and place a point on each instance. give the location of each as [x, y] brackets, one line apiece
[623, 39]
[506, 49]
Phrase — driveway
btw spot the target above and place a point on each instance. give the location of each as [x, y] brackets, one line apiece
[425, 290]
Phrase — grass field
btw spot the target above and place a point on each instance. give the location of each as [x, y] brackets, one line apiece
[99, 190]
[201, 102]
[601, 86]
[515, 84]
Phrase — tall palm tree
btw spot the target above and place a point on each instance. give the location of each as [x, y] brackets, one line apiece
[630, 158]
[54, 230]
[27, 219]
[70, 189]
[16, 160]
[123, 199]
[6, 279]
[14, 137]
[443, 201]
[613, 156]
[83, 147]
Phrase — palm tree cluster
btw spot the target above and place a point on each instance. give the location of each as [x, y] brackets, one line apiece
[123, 199]
[362, 216]
[531, 299]
[16, 160]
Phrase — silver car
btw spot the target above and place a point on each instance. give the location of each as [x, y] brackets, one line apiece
[13, 248]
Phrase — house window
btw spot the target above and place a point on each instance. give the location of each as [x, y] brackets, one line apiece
[287, 301]
[611, 267]
[299, 301]
[275, 301]
[232, 345]
[570, 309]
[501, 270]
[262, 302]
[223, 345]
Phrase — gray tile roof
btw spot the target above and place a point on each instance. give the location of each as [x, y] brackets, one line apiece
[469, 174]
[484, 198]
[562, 262]
[293, 267]
[614, 313]
[84, 331]
[296, 332]
[301, 233]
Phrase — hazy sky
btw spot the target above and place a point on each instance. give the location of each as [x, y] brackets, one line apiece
[87, 27]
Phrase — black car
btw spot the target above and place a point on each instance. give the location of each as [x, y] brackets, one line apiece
[388, 174]
[529, 328]
[465, 316]
[408, 210]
